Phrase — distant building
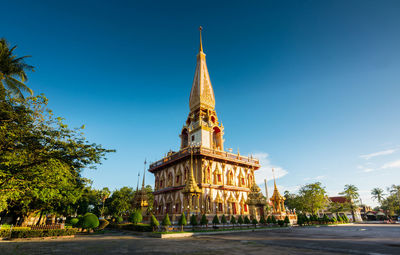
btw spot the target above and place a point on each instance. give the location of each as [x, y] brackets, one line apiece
[202, 178]
[342, 200]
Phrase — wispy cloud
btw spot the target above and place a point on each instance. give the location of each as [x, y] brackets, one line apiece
[378, 153]
[266, 168]
[393, 164]
[318, 178]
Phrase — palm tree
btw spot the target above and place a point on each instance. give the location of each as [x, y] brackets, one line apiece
[12, 71]
[377, 193]
[395, 190]
[351, 193]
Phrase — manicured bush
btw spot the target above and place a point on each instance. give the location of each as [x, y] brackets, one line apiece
[118, 219]
[325, 219]
[215, 220]
[233, 221]
[166, 222]
[281, 223]
[262, 220]
[132, 227]
[345, 218]
[74, 221]
[286, 220]
[182, 221]
[246, 220]
[204, 220]
[136, 217]
[300, 219]
[223, 220]
[334, 220]
[103, 224]
[273, 219]
[254, 222]
[193, 221]
[90, 221]
[269, 220]
[240, 220]
[154, 222]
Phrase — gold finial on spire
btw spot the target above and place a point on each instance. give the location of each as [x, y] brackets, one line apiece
[273, 173]
[201, 44]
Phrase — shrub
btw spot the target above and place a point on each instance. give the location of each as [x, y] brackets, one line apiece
[262, 220]
[286, 220]
[269, 220]
[103, 224]
[90, 221]
[154, 222]
[223, 220]
[193, 221]
[246, 220]
[254, 222]
[280, 223]
[118, 219]
[132, 227]
[334, 220]
[74, 221]
[182, 221]
[233, 221]
[136, 217]
[325, 219]
[215, 220]
[204, 220]
[166, 222]
[240, 220]
[300, 219]
[273, 219]
[28, 233]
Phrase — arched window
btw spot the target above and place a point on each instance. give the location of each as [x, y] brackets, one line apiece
[217, 138]
[184, 138]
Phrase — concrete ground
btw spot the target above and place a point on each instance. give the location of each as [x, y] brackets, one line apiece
[345, 239]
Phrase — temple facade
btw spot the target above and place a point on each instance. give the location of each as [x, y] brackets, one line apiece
[203, 178]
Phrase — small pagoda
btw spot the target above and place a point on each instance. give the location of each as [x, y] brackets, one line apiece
[140, 200]
[256, 202]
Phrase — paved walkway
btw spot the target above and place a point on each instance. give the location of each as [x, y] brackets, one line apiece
[348, 239]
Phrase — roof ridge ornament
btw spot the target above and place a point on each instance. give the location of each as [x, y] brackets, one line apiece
[201, 43]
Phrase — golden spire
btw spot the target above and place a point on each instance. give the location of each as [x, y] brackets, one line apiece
[201, 43]
[202, 93]
[191, 185]
[273, 173]
[144, 173]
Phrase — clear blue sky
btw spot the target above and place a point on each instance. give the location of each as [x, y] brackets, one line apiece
[313, 84]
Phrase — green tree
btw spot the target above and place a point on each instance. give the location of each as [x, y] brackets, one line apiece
[223, 220]
[254, 222]
[233, 221]
[41, 159]
[166, 222]
[286, 220]
[312, 198]
[154, 222]
[269, 220]
[103, 195]
[246, 220]
[120, 202]
[351, 193]
[273, 219]
[215, 220]
[193, 221]
[12, 71]
[262, 220]
[377, 194]
[136, 217]
[204, 220]
[182, 221]
[240, 221]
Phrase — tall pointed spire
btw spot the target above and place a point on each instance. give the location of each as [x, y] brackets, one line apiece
[273, 173]
[137, 185]
[201, 43]
[202, 93]
[144, 173]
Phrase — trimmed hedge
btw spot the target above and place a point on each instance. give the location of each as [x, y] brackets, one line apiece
[28, 233]
[133, 227]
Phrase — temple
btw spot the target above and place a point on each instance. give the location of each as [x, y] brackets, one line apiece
[203, 178]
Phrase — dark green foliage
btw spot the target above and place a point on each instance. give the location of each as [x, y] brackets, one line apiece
[28, 233]
[193, 220]
[103, 224]
[90, 221]
[325, 219]
[300, 219]
[204, 220]
[334, 220]
[132, 227]
[74, 221]
[182, 220]
[246, 220]
[119, 219]
[269, 220]
[262, 220]
[154, 222]
[166, 222]
[223, 219]
[136, 217]
[281, 223]
[254, 222]
[215, 220]
[286, 220]
[233, 220]
[240, 220]
[273, 219]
